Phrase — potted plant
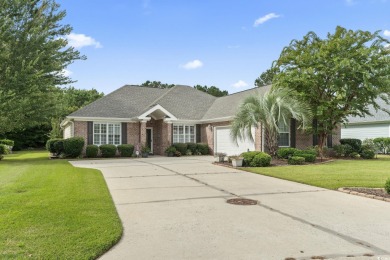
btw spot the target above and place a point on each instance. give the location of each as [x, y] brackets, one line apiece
[236, 161]
[219, 157]
[170, 151]
[145, 150]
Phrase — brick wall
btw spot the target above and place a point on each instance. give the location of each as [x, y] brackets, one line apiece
[133, 133]
[303, 140]
[81, 130]
[166, 136]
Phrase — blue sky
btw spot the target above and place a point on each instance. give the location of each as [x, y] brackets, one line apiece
[225, 43]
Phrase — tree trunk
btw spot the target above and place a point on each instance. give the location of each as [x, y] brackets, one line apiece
[322, 137]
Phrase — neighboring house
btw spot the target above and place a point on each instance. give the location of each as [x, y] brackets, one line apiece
[377, 125]
[160, 117]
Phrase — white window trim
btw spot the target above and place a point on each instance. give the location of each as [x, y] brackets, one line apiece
[184, 126]
[289, 135]
[106, 123]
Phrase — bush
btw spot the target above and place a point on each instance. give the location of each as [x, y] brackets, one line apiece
[92, 151]
[367, 153]
[126, 150]
[192, 147]
[107, 150]
[285, 153]
[50, 145]
[356, 144]
[342, 150]
[203, 149]
[7, 142]
[369, 143]
[309, 157]
[296, 160]
[181, 147]
[248, 157]
[3, 149]
[73, 147]
[59, 146]
[387, 186]
[261, 160]
[170, 150]
[354, 155]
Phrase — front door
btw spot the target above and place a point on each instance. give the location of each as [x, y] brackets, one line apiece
[149, 138]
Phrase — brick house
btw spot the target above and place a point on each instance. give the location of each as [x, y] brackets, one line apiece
[160, 117]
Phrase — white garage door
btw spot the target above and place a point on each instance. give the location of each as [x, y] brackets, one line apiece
[224, 144]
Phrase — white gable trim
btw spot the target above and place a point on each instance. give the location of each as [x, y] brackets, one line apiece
[145, 116]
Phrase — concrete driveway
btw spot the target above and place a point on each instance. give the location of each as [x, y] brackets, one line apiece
[175, 208]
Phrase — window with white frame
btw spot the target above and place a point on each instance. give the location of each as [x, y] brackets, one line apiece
[183, 133]
[284, 134]
[106, 133]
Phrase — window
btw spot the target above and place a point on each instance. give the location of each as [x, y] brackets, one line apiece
[284, 134]
[106, 133]
[183, 134]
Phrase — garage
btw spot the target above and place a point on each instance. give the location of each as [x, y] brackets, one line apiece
[224, 144]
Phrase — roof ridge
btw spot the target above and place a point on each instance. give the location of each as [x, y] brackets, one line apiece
[246, 90]
[160, 97]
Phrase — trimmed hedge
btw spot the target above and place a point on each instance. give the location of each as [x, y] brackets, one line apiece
[192, 147]
[261, 160]
[73, 147]
[7, 142]
[50, 145]
[126, 150]
[181, 147]
[356, 144]
[203, 149]
[296, 160]
[248, 157]
[367, 154]
[59, 146]
[285, 153]
[107, 150]
[92, 151]
[309, 157]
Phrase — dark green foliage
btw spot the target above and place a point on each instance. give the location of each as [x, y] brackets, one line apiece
[59, 146]
[203, 149]
[356, 144]
[73, 147]
[181, 147]
[92, 151]
[156, 84]
[248, 157]
[50, 145]
[266, 77]
[3, 149]
[107, 150]
[354, 155]
[285, 153]
[171, 150]
[309, 157]
[126, 150]
[387, 186]
[367, 153]
[192, 147]
[213, 90]
[32, 137]
[7, 142]
[261, 160]
[296, 160]
[343, 150]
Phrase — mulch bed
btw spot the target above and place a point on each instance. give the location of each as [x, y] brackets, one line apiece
[371, 191]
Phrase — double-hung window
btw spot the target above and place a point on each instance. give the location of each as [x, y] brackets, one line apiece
[284, 134]
[183, 133]
[106, 133]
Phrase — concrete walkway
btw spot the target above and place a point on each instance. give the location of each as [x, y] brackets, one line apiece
[175, 208]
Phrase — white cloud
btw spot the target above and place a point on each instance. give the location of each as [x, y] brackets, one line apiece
[81, 40]
[386, 33]
[66, 72]
[240, 84]
[193, 65]
[265, 18]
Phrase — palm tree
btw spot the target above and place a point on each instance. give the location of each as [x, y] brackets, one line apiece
[274, 107]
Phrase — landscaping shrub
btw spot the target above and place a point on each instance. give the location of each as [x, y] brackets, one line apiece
[356, 144]
[192, 147]
[7, 142]
[248, 157]
[387, 186]
[107, 150]
[367, 153]
[369, 143]
[203, 149]
[309, 157]
[354, 155]
[59, 146]
[92, 151]
[73, 147]
[50, 145]
[3, 149]
[382, 144]
[261, 160]
[126, 150]
[342, 150]
[296, 160]
[181, 147]
[285, 153]
[170, 151]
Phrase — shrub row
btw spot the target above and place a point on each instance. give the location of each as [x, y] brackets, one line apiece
[353, 147]
[256, 159]
[296, 160]
[71, 147]
[190, 148]
[109, 150]
[308, 155]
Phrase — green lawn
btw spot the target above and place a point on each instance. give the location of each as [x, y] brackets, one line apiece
[333, 175]
[52, 210]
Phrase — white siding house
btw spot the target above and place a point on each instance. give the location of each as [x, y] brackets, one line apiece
[377, 125]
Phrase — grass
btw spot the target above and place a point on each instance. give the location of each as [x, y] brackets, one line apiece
[336, 174]
[52, 210]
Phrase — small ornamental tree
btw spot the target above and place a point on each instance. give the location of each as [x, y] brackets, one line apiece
[338, 76]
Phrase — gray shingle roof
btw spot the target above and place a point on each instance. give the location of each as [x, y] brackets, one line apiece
[377, 116]
[184, 102]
